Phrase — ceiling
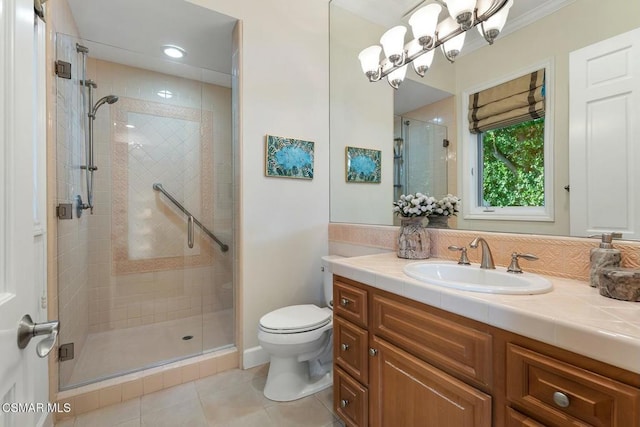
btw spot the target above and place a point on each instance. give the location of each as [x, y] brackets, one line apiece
[133, 32]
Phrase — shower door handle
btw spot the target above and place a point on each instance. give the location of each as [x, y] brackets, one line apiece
[190, 232]
[28, 329]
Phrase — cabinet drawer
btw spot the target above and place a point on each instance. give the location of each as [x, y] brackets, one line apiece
[462, 351]
[350, 349]
[516, 419]
[350, 302]
[350, 399]
[559, 393]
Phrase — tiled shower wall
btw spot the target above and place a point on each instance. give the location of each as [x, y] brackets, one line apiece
[154, 294]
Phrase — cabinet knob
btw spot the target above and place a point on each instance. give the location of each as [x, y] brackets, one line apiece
[373, 351]
[344, 347]
[561, 399]
[344, 403]
[344, 302]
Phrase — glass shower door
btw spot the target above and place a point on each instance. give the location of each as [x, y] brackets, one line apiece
[133, 293]
[420, 158]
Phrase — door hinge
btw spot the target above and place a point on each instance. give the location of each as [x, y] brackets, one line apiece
[64, 211]
[65, 352]
[63, 69]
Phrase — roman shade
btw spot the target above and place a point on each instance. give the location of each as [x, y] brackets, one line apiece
[509, 103]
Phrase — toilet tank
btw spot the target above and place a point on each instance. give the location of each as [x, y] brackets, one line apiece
[327, 278]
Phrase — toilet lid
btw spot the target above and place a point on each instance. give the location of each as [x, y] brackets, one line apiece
[296, 318]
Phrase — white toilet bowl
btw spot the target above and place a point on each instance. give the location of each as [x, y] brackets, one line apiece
[300, 354]
[299, 340]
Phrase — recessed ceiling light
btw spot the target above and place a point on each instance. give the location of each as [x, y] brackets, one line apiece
[165, 93]
[175, 52]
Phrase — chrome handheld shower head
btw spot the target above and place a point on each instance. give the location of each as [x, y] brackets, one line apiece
[109, 99]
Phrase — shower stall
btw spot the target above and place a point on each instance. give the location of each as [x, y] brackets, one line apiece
[420, 158]
[144, 276]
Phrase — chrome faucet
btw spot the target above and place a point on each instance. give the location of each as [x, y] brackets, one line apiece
[487, 258]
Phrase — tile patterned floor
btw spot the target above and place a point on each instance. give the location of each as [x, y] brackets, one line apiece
[232, 398]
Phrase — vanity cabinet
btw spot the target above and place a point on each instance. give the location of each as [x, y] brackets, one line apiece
[398, 362]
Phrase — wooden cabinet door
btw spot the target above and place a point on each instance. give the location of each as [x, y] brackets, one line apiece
[405, 391]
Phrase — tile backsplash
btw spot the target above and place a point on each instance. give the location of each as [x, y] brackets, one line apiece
[559, 256]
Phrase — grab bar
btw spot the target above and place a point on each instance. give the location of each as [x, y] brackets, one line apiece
[190, 231]
[160, 188]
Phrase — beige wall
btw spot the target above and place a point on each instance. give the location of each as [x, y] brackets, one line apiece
[575, 26]
[285, 91]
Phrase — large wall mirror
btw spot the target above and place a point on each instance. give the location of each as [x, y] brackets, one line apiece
[375, 116]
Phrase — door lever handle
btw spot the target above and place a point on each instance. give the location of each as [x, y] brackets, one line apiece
[28, 329]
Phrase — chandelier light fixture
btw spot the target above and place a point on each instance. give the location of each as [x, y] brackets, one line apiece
[489, 16]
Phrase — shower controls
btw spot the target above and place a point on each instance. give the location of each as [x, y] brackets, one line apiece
[63, 69]
[64, 211]
[80, 206]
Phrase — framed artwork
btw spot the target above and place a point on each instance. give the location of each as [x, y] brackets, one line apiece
[288, 158]
[363, 165]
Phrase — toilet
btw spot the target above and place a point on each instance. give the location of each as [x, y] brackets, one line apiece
[298, 339]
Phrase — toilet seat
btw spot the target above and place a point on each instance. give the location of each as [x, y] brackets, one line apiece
[295, 319]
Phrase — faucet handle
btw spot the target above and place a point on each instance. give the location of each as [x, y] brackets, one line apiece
[514, 267]
[464, 260]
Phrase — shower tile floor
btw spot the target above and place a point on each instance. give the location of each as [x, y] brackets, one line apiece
[231, 398]
[110, 353]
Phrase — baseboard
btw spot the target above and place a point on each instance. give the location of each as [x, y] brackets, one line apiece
[254, 356]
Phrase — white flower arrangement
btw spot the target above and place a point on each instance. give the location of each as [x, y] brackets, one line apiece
[423, 205]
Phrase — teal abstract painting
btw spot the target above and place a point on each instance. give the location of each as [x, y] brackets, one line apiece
[289, 158]
[363, 165]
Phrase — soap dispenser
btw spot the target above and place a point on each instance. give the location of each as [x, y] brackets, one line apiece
[604, 256]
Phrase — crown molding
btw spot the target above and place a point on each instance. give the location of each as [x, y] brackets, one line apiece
[518, 23]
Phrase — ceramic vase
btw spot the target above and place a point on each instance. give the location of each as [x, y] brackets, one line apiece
[413, 239]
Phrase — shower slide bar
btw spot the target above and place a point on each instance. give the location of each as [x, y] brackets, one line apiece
[191, 219]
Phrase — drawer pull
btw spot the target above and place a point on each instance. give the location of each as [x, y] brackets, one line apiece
[344, 403]
[561, 399]
[373, 351]
[344, 347]
[344, 302]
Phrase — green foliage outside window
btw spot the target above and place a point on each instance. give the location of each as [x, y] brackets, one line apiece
[513, 165]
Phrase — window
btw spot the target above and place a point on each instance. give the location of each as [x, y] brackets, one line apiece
[507, 156]
[511, 165]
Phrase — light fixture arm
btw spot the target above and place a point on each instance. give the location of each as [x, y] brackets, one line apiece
[440, 39]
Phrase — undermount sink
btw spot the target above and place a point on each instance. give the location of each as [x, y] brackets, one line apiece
[473, 278]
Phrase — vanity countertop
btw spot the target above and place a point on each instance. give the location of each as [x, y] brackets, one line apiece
[573, 316]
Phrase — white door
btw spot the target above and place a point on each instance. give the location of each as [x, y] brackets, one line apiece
[604, 132]
[21, 371]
